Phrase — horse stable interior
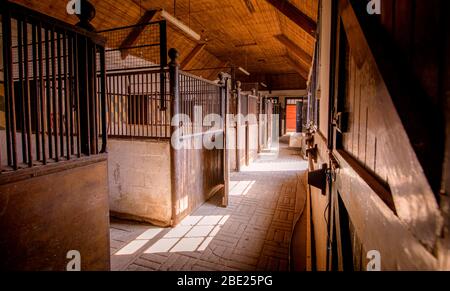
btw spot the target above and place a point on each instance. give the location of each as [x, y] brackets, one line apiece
[234, 135]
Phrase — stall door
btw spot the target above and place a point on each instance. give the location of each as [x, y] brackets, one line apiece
[291, 118]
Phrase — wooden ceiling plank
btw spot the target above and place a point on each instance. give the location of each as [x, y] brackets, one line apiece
[294, 48]
[134, 34]
[192, 56]
[296, 15]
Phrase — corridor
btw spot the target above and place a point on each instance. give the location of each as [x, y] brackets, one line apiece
[119, 119]
[253, 233]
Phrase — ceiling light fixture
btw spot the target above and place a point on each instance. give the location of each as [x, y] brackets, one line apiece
[244, 71]
[183, 27]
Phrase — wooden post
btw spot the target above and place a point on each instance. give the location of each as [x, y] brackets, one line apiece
[247, 133]
[86, 15]
[260, 103]
[226, 162]
[86, 79]
[174, 68]
[10, 111]
[238, 126]
[103, 100]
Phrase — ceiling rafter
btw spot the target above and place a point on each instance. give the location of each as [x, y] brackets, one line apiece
[296, 15]
[298, 67]
[294, 48]
[134, 34]
[192, 56]
[215, 73]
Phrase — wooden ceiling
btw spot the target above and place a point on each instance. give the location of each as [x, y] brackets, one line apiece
[253, 34]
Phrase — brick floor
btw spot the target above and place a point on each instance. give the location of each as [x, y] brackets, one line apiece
[253, 233]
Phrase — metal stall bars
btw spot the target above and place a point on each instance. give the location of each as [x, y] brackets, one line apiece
[52, 111]
[137, 81]
[134, 99]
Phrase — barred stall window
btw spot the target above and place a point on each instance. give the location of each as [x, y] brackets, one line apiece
[53, 91]
[136, 102]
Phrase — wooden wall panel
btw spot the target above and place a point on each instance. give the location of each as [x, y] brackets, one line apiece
[394, 153]
[415, 28]
[378, 228]
[199, 176]
[379, 142]
[378, 151]
[320, 208]
[44, 217]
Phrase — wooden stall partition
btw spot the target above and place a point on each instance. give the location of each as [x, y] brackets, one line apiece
[197, 151]
[53, 172]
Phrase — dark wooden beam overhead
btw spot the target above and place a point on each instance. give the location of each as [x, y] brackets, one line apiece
[298, 67]
[215, 73]
[192, 56]
[295, 49]
[296, 15]
[283, 81]
[250, 6]
[137, 30]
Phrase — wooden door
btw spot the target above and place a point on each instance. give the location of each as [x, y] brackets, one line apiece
[291, 118]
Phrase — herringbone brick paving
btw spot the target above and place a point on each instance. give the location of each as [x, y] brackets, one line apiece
[253, 233]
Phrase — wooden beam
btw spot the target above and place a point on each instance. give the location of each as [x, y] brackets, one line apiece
[277, 81]
[137, 30]
[192, 56]
[294, 48]
[215, 74]
[250, 6]
[296, 15]
[297, 67]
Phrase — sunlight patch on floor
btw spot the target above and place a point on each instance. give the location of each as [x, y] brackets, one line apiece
[194, 233]
[240, 188]
[276, 167]
[139, 242]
